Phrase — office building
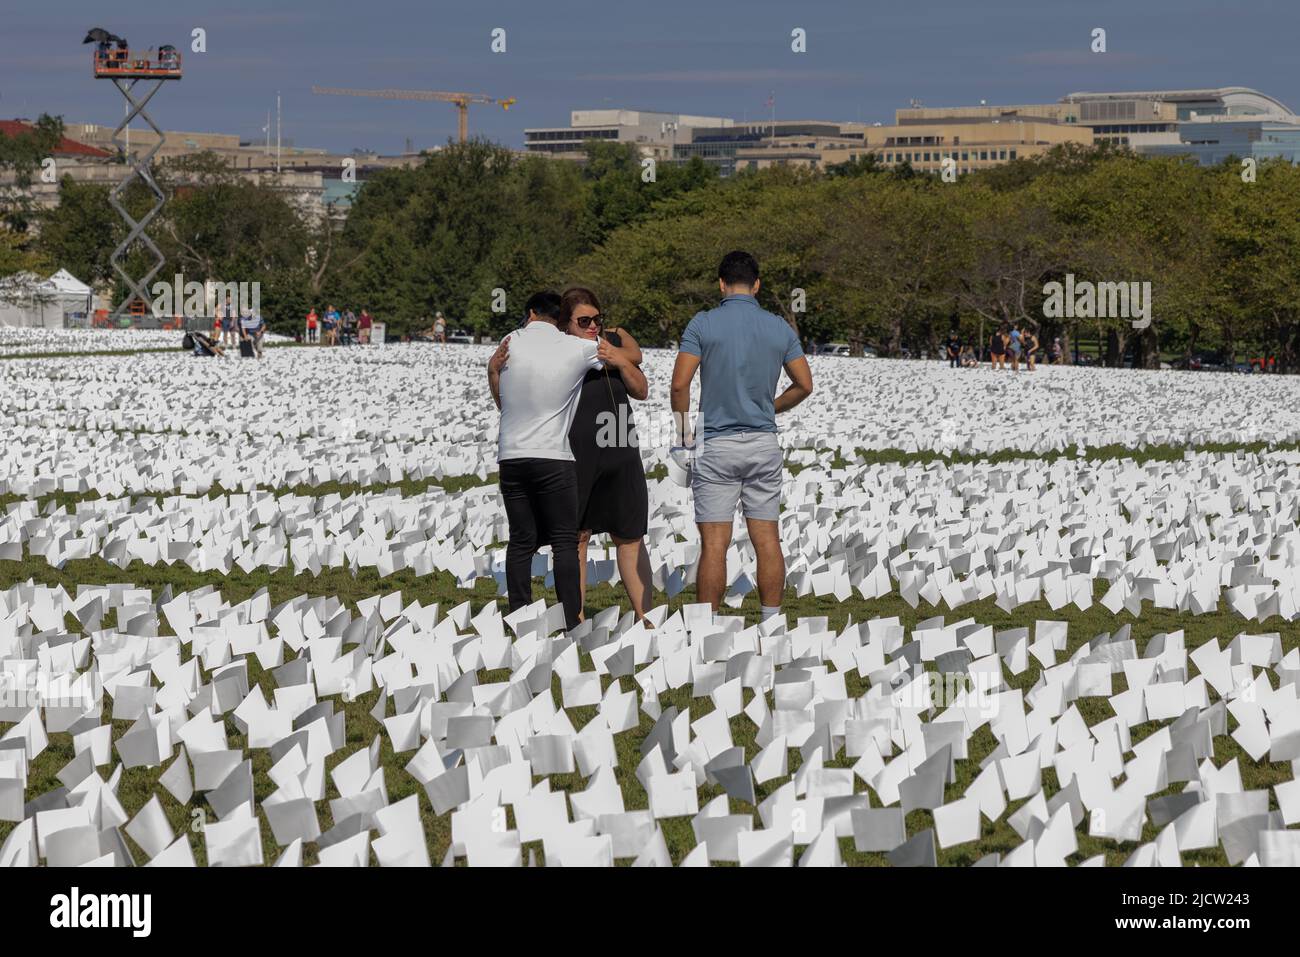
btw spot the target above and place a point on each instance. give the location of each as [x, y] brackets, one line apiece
[965, 145]
[1213, 140]
[1137, 118]
[760, 144]
[654, 134]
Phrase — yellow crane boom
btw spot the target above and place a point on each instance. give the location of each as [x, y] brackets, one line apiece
[461, 101]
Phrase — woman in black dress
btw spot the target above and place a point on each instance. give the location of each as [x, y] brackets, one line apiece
[612, 496]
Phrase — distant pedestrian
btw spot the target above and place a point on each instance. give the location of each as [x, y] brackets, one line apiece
[998, 348]
[954, 350]
[1015, 346]
[364, 325]
[439, 328]
[228, 324]
[1030, 343]
[330, 327]
[313, 326]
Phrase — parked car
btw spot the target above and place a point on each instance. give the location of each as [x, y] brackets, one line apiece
[835, 349]
[1207, 361]
[462, 337]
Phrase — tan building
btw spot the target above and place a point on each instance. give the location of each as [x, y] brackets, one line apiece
[1105, 120]
[1138, 118]
[313, 179]
[240, 155]
[970, 144]
[808, 152]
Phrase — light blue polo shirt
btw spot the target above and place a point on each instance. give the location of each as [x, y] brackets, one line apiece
[742, 349]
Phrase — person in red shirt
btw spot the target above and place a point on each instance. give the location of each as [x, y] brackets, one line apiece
[313, 325]
[363, 327]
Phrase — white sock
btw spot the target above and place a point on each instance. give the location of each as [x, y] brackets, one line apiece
[770, 612]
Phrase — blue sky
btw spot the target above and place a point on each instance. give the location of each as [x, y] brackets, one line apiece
[863, 59]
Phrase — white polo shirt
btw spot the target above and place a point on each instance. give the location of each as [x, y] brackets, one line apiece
[539, 392]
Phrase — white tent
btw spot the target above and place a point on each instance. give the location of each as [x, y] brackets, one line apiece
[26, 300]
[71, 296]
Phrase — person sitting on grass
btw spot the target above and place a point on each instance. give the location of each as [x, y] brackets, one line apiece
[202, 344]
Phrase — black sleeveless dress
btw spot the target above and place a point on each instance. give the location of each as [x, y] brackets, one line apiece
[612, 495]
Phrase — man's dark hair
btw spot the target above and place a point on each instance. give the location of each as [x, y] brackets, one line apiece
[738, 268]
[545, 304]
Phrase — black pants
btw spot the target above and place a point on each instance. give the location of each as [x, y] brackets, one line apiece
[541, 499]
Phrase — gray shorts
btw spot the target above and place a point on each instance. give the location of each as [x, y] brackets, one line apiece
[738, 468]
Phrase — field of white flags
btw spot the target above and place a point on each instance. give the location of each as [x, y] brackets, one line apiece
[249, 615]
[20, 341]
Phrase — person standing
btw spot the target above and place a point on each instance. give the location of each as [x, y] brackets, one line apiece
[612, 494]
[313, 326]
[363, 327]
[954, 350]
[439, 329]
[739, 350]
[331, 326]
[998, 348]
[1030, 343]
[228, 323]
[537, 392]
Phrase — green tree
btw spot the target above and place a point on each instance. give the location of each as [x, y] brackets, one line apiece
[81, 233]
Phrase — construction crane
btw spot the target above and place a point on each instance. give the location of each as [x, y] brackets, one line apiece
[461, 100]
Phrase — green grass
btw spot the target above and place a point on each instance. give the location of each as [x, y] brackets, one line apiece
[407, 487]
[138, 785]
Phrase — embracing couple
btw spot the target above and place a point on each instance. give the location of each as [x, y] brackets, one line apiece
[563, 476]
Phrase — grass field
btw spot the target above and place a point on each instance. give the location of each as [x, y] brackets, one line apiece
[140, 784]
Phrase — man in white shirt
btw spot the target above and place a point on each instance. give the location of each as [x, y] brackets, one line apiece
[537, 393]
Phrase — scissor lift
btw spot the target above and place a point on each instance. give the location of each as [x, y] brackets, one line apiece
[126, 70]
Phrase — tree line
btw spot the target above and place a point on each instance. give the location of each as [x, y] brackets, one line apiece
[860, 253]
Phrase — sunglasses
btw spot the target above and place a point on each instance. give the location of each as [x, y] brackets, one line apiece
[585, 321]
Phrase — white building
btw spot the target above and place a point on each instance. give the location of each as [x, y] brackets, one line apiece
[653, 133]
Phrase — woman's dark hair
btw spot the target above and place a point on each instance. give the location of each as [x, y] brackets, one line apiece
[572, 298]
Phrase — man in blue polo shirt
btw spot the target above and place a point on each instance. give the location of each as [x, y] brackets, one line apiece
[740, 350]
